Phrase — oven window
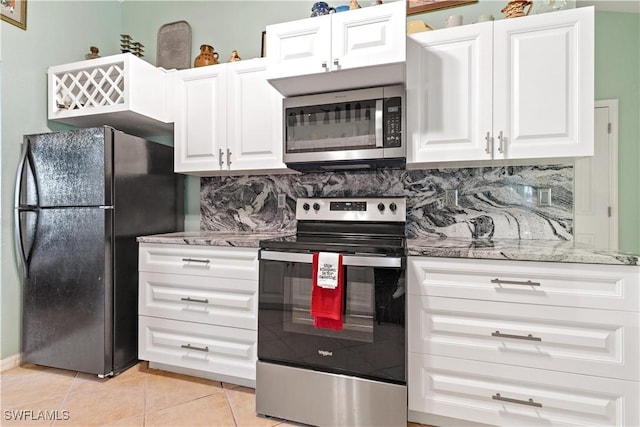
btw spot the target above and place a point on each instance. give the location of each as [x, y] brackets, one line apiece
[359, 306]
[342, 126]
[372, 341]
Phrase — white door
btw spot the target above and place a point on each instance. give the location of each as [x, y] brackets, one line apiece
[254, 118]
[596, 183]
[368, 36]
[449, 94]
[200, 123]
[543, 85]
[299, 47]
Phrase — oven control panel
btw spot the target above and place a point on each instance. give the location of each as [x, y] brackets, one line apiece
[352, 209]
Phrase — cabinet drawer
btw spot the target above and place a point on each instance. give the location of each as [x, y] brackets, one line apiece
[610, 287]
[194, 260]
[508, 395]
[588, 341]
[212, 300]
[215, 349]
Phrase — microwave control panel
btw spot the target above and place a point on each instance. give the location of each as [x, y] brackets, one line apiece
[393, 122]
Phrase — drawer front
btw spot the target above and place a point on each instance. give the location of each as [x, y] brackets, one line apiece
[215, 349]
[514, 396]
[194, 260]
[211, 300]
[588, 341]
[609, 287]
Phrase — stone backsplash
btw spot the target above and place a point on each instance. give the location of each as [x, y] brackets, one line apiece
[498, 202]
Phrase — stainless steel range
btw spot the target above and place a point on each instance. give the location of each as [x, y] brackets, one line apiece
[354, 374]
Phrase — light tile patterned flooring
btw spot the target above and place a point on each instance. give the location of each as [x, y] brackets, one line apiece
[138, 397]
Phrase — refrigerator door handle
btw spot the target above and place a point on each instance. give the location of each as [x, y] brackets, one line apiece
[16, 220]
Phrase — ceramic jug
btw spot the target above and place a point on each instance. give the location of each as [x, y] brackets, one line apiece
[208, 56]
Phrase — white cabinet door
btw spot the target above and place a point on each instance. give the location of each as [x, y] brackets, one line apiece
[544, 85]
[449, 94]
[299, 47]
[215, 301]
[368, 36]
[510, 89]
[200, 130]
[254, 118]
[605, 343]
[231, 352]
[607, 287]
[495, 394]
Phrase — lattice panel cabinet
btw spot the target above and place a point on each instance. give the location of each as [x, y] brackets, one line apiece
[122, 91]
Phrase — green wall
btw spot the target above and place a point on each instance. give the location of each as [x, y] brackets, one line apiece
[617, 75]
[62, 31]
[57, 33]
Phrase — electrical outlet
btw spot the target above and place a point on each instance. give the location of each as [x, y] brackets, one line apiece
[282, 201]
[544, 197]
[451, 198]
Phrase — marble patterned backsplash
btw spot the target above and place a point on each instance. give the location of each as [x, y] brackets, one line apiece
[493, 202]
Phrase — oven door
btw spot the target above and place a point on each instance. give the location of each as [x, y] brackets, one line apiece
[372, 341]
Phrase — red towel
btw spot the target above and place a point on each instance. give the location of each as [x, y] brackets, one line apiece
[326, 304]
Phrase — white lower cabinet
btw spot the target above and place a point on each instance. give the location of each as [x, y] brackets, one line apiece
[198, 310]
[497, 394]
[523, 343]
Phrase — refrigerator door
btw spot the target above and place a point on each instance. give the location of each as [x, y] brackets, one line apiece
[71, 168]
[68, 304]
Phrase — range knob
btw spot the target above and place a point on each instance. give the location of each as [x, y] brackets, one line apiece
[381, 207]
[393, 207]
[305, 206]
[316, 207]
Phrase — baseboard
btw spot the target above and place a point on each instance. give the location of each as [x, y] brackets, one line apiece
[10, 362]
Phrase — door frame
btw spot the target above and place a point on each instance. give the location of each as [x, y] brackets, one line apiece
[612, 104]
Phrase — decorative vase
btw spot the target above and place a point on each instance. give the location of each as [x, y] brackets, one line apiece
[208, 56]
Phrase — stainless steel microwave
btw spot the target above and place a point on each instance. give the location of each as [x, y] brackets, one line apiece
[356, 129]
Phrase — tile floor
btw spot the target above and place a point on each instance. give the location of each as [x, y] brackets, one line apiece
[138, 397]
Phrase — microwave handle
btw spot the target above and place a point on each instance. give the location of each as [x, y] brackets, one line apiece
[379, 123]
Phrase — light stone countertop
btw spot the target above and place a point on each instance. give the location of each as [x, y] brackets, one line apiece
[519, 250]
[499, 249]
[211, 238]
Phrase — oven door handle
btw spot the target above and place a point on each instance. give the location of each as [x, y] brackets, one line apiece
[347, 260]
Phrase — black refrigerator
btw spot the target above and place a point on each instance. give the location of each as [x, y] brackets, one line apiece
[81, 199]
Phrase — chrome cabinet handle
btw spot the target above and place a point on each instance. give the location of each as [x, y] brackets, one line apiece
[515, 282]
[501, 145]
[336, 62]
[517, 337]
[190, 347]
[487, 148]
[229, 158]
[529, 402]
[189, 299]
[203, 261]
[325, 65]
[220, 157]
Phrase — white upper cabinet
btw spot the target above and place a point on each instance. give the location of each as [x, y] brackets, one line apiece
[510, 89]
[228, 120]
[200, 130]
[329, 52]
[122, 91]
